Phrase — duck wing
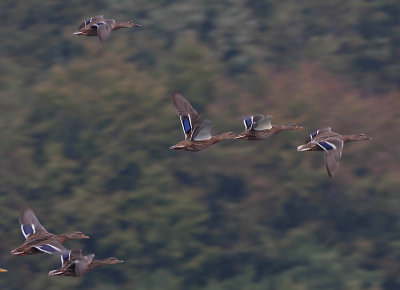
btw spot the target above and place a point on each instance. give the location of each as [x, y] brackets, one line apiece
[104, 28]
[333, 148]
[30, 223]
[257, 122]
[318, 133]
[203, 131]
[71, 256]
[262, 123]
[249, 122]
[91, 20]
[52, 246]
[82, 265]
[188, 116]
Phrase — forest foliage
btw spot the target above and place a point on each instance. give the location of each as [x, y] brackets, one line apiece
[85, 130]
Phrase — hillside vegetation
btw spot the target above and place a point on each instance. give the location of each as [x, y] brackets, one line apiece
[85, 130]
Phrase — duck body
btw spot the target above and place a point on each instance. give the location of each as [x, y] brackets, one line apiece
[332, 144]
[258, 128]
[75, 265]
[38, 239]
[197, 130]
[194, 146]
[98, 26]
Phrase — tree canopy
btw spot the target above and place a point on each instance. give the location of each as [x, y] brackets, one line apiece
[85, 129]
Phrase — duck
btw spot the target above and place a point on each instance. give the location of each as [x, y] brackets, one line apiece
[197, 130]
[73, 264]
[98, 26]
[3, 270]
[332, 144]
[258, 127]
[38, 239]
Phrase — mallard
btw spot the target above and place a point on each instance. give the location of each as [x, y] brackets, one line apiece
[196, 129]
[98, 26]
[332, 144]
[38, 240]
[258, 127]
[75, 265]
[3, 270]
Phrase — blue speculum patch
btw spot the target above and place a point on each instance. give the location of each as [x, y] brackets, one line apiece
[186, 124]
[27, 229]
[48, 248]
[248, 122]
[326, 145]
[65, 257]
[313, 134]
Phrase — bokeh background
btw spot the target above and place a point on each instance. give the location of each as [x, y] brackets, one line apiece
[85, 129]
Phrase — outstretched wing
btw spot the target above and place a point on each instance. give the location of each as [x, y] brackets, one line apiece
[52, 246]
[82, 264]
[249, 122]
[30, 223]
[71, 256]
[90, 20]
[318, 132]
[262, 123]
[104, 28]
[203, 131]
[189, 118]
[64, 258]
[333, 148]
[257, 122]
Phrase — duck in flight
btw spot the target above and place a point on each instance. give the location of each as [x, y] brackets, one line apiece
[75, 265]
[197, 130]
[38, 240]
[98, 26]
[258, 127]
[332, 144]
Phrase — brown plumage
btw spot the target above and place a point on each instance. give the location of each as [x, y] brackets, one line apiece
[38, 240]
[98, 26]
[332, 144]
[258, 127]
[196, 129]
[75, 265]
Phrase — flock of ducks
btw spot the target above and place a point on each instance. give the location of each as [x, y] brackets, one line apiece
[257, 127]
[197, 131]
[198, 136]
[38, 241]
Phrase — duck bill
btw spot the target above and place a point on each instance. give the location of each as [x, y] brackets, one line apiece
[299, 127]
[78, 33]
[302, 148]
[85, 237]
[3, 270]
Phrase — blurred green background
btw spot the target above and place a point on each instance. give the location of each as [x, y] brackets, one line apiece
[85, 129]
